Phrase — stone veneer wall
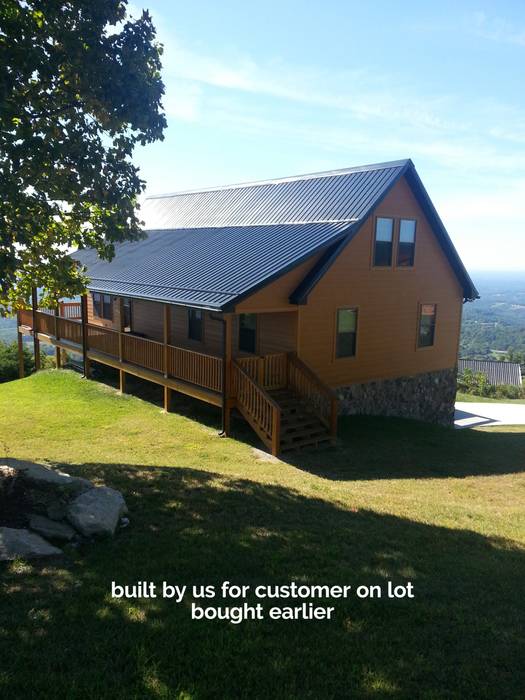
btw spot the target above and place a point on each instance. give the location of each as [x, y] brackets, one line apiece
[428, 397]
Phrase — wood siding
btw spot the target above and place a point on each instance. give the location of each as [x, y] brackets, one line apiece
[276, 332]
[105, 323]
[388, 305]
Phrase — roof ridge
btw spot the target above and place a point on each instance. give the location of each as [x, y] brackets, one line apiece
[291, 178]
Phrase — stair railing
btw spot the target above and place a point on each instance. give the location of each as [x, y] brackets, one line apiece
[311, 389]
[259, 409]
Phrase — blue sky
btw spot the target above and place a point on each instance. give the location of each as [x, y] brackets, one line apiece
[260, 90]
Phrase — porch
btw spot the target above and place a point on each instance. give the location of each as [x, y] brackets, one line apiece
[281, 399]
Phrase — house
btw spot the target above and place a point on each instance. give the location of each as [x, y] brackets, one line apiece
[496, 372]
[289, 300]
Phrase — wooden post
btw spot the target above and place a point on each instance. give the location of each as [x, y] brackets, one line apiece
[226, 373]
[36, 342]
[84, 318]
[276, 431]
[122, 381]
[58, 358]
[20, 337]
[167, 399]
[166, 340]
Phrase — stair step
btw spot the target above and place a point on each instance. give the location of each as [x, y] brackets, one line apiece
[305, 442]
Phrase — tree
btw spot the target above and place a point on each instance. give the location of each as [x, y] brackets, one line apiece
[80, 86]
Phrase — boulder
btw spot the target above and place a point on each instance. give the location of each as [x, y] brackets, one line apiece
[15, 543]
[40, 477]
[51, 529]
[97, 512]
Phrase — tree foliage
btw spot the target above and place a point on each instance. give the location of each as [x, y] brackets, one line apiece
[80, 86]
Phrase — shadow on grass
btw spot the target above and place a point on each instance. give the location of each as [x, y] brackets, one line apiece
[393, 448]
[61, 635]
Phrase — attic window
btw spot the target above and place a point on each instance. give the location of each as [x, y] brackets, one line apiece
[383, 242]
[407, 243]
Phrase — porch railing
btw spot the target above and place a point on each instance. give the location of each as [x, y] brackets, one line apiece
[269, 371]
[259, 409]
[195, 367]
[143, 352]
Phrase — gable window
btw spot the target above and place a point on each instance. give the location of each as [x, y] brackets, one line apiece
[383, 242]
[427, 325]
[248, 332]
[407, 243]
[345, 344]
[102, 306]
[194, 324]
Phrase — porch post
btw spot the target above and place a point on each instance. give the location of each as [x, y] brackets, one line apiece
[20, 338]
[36, 342]
[84, 319]
[121, 373]
[166, 339]
[226, 373]
[58, 358]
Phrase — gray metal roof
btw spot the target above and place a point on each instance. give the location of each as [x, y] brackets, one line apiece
[339, 195]
[496, 372]
[210, 248]
[207, 267]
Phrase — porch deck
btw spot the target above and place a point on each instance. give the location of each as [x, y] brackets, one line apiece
[281, 399]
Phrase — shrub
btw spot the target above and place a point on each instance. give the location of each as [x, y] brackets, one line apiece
[9, 361]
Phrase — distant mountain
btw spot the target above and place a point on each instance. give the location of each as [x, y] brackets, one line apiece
[495, 323]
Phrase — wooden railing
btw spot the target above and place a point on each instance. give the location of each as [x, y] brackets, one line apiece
[25, 318]
[70, 309]
[195, 367]
[45, 323]
[102, 339]
[259, 409]
[142, 352]
[309, 387]
[269, 371]
[70, 330]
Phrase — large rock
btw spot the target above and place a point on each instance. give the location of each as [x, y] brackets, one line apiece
[97, 511]
[51, 529]
[16, 543]
[40, 477]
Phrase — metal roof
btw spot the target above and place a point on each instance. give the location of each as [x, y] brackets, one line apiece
[340, 195]
[207, 267]
[210, 248]
[496, 372]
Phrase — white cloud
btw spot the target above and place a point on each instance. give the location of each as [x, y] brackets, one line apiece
[497, 29]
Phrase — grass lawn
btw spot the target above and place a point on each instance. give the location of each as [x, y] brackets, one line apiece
[396, 500]
[471, 398]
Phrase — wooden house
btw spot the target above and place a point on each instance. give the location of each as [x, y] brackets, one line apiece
[289, 300]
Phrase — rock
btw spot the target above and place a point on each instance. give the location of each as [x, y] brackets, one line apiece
[56, 510]
[51, 529]
[97, 511]
[16, 543]
[41, 477]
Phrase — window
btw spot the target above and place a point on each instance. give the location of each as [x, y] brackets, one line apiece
[126, 310]
[248, 332]
[427, 325]
[383, 242]
[407, 243]
[346, 333]
[195, 324]
[102, 306]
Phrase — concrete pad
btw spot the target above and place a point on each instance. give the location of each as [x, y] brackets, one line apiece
[471, 415]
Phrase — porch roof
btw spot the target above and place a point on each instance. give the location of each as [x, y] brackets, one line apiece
[211, 268]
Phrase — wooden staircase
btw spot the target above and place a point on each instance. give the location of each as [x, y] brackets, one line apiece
[285, 403]
[300, 425]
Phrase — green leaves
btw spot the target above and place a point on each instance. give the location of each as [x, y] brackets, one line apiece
[77, 93]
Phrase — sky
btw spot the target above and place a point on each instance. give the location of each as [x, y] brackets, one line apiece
[263, 90]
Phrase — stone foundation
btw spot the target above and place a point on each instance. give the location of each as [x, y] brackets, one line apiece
[428, 397]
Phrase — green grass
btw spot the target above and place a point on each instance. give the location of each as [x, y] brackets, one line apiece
[471, 398]
[395, 500]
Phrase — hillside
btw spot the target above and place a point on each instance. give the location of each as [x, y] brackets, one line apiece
[396, 500]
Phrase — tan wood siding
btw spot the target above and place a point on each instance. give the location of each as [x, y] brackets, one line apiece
[388, 305]
[275, 296]
[147, 318]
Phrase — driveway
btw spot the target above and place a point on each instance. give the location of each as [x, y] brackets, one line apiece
[470, 415]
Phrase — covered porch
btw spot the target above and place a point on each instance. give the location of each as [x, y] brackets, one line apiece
[246, 362]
